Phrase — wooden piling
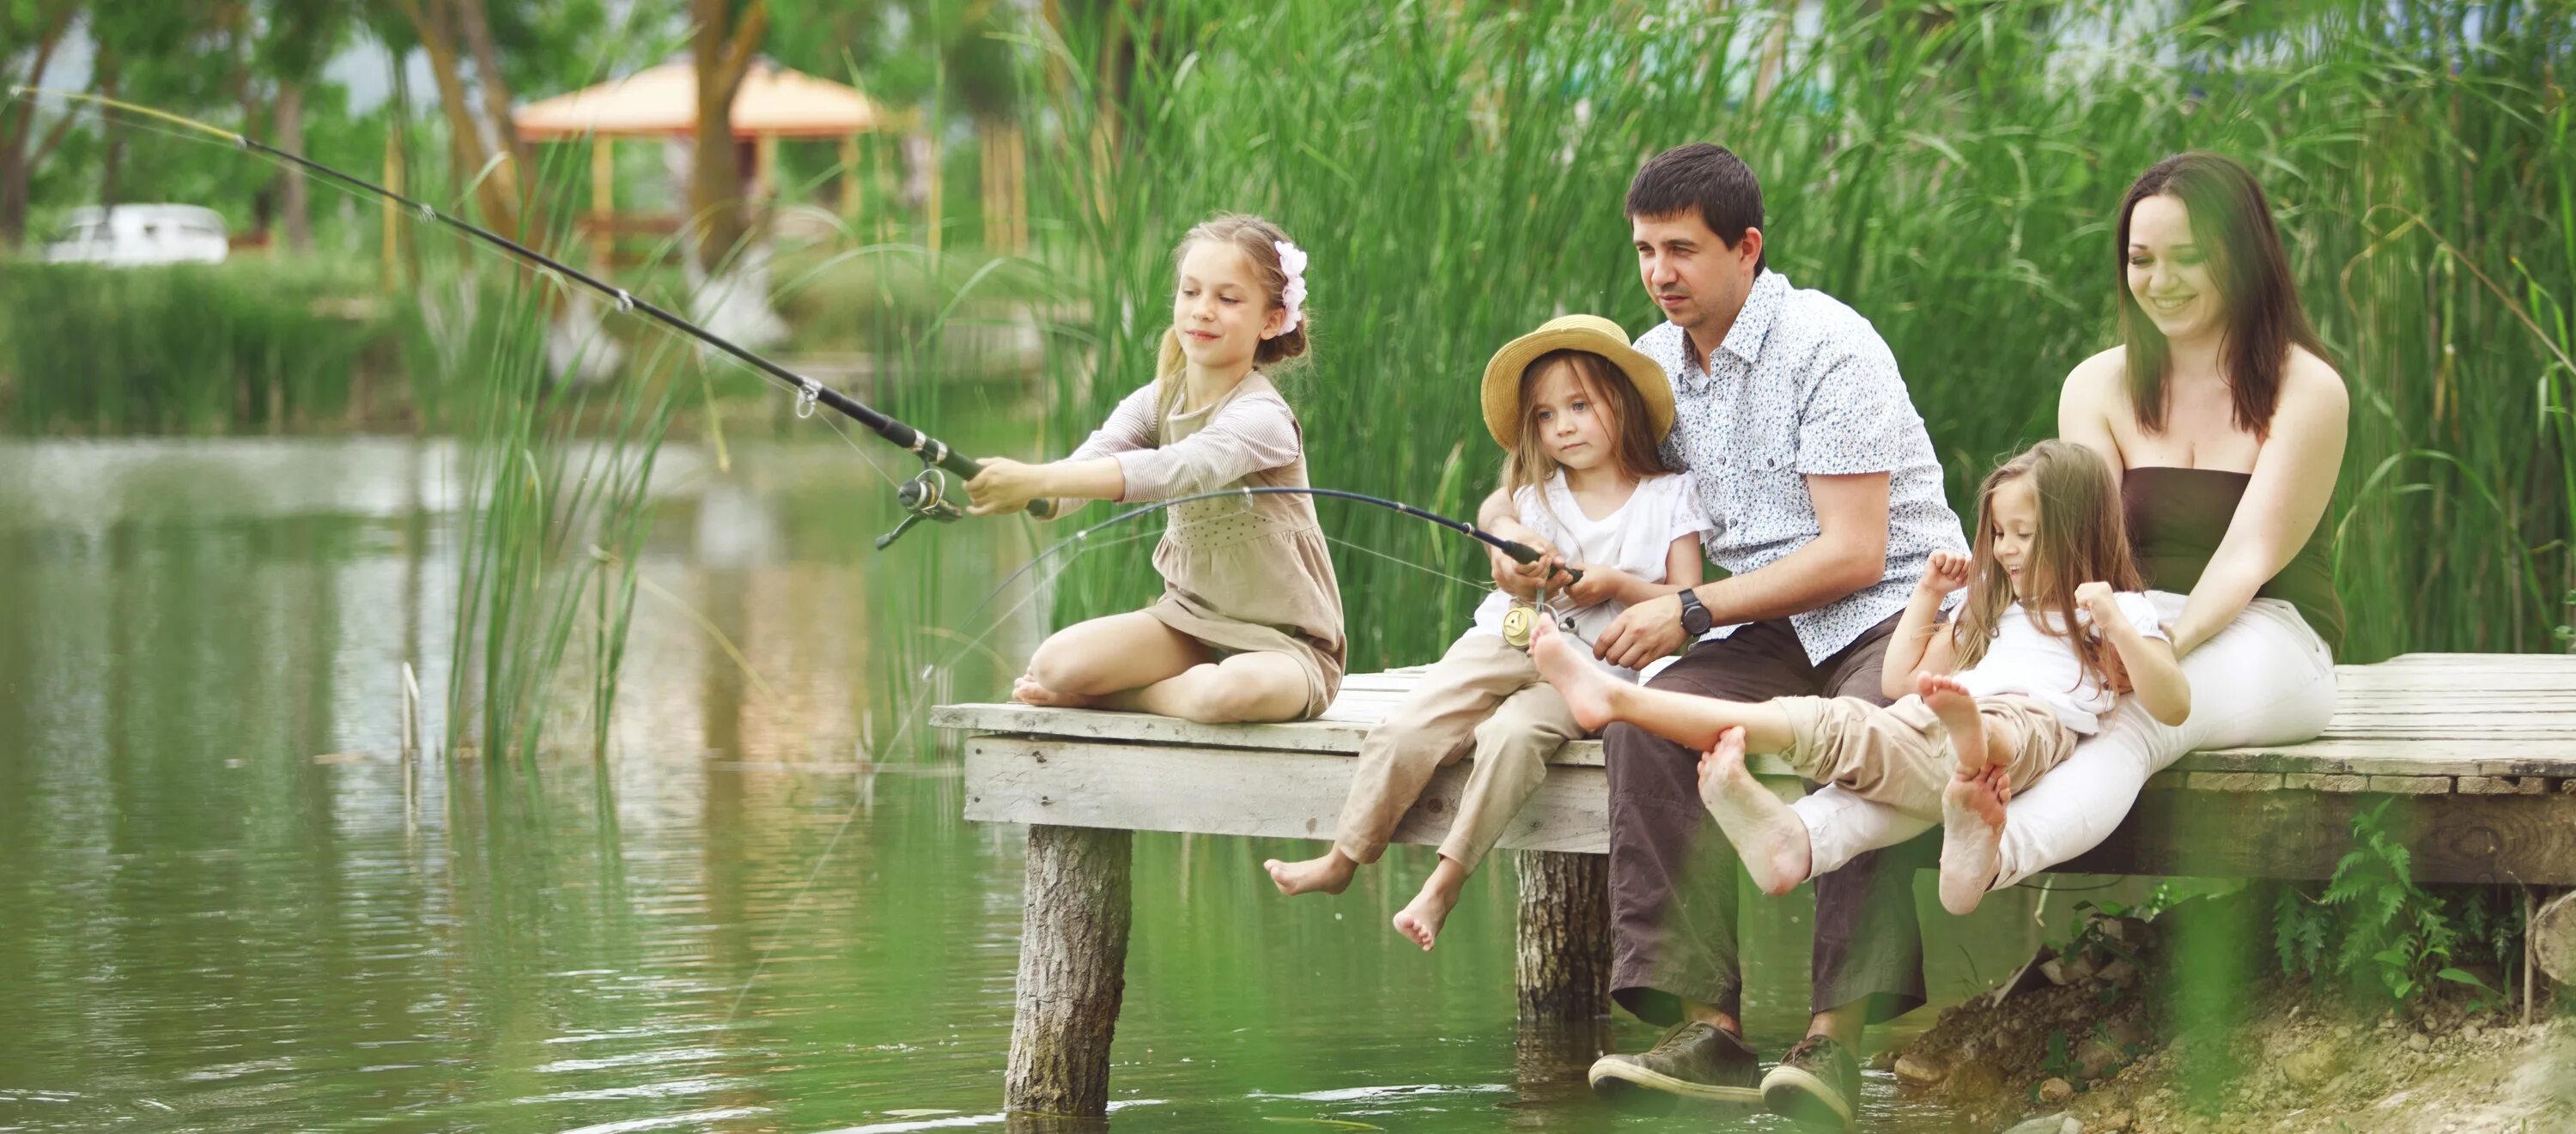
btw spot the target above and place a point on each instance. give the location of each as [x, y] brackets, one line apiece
[1073, 961]
[1563, 958]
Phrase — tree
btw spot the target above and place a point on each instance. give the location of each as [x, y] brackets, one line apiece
[727, 33]
[448, 29]
[300, 37]
[30, 33]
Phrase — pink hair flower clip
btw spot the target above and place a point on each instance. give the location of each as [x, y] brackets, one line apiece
[1292, 260]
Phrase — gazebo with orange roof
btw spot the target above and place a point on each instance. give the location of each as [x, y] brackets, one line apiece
[773, 102]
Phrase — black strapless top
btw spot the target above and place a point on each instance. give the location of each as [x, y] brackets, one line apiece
[2176, 519]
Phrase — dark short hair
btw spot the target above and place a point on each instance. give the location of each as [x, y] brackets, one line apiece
[1705, 177]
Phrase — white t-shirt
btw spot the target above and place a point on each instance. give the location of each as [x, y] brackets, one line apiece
[2023, 660]
[1635, 539]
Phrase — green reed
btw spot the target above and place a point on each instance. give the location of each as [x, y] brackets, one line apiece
[555, 473]
[251, 343]
[1950, 170]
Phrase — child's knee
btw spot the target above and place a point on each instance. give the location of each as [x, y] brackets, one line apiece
[1058, 666]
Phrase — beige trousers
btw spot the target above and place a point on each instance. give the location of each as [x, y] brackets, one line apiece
[1900, 755]
[1482, 691]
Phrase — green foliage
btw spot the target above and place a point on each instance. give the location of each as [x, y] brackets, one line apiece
[248, 344]
[2373, 928]
[1950, 171]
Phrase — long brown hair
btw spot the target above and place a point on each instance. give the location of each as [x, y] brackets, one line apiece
[2082, 538]
[2233, 227]
[1634, 448]
[1258, 240]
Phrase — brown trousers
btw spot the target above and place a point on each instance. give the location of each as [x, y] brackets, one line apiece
[1481, 690]
[1673, 875]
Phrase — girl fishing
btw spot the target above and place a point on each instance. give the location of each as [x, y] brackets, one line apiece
[1579, 415]
[2055, 626]
[1249, 627]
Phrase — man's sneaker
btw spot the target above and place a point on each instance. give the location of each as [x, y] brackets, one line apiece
[1817, 1084]
[1693, 1061]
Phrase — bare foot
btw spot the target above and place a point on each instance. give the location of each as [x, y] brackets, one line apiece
[1972, 819]
[1951, 702]
[1330, 874]
[1768, 836]
[1568, 666]
[1027, 691]
[1421, 918]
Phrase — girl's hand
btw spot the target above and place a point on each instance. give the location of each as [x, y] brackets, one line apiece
[1944, 572]
[2098, 599]
[1005, 486]
[1600, 583]
[1521, 580]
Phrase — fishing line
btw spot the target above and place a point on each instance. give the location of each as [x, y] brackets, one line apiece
[925, 497]
[903, 724]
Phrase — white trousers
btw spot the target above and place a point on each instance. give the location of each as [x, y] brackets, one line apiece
[2266, 678]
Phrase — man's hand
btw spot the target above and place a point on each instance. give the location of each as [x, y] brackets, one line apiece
[1944, 572]
[1600, 583]
[1642, 633]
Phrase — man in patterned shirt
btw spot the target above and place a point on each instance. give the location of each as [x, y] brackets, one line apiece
[1800, 438]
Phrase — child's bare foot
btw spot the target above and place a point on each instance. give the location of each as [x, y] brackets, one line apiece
[1330, 874]
[1972, 827]
[1421, 918]
[1027, 691]
[1566, 665]
[1768, 836]
[1951, 702]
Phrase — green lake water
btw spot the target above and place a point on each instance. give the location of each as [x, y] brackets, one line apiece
[218, 911]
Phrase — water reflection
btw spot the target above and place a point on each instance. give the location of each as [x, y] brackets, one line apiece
[221, 913]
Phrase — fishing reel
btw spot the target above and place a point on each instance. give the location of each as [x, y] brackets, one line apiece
[924, 497]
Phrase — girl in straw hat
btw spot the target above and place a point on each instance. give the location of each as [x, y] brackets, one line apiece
[1580, 416]
[1249, 627]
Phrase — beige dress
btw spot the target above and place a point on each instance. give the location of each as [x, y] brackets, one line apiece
[1240, 574]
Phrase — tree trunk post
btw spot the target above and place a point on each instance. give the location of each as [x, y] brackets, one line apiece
[1073, 960]
[1564, 948]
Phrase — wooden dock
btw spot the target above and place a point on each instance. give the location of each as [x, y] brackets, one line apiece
[2481, 749]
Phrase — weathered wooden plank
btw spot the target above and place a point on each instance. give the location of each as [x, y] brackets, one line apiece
[1234, 792]
[2283, 833]
[2232, 781]
[2501, 785]
[2492, 839]
[1329, 736]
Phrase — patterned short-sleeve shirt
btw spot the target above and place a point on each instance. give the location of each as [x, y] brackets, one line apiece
[1802, 385]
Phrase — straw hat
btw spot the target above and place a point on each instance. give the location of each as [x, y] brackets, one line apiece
[1571, 332]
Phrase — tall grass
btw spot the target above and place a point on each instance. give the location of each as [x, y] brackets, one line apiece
[248, 344]
[1949, 170]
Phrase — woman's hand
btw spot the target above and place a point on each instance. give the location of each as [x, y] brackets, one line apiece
[1005, 486]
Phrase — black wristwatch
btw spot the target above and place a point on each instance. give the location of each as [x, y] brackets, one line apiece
[1694, 615]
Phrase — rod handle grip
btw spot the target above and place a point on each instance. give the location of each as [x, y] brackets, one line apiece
[1524, 553]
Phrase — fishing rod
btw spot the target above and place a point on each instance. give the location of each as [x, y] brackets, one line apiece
[1520, 552]
[927, 496]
